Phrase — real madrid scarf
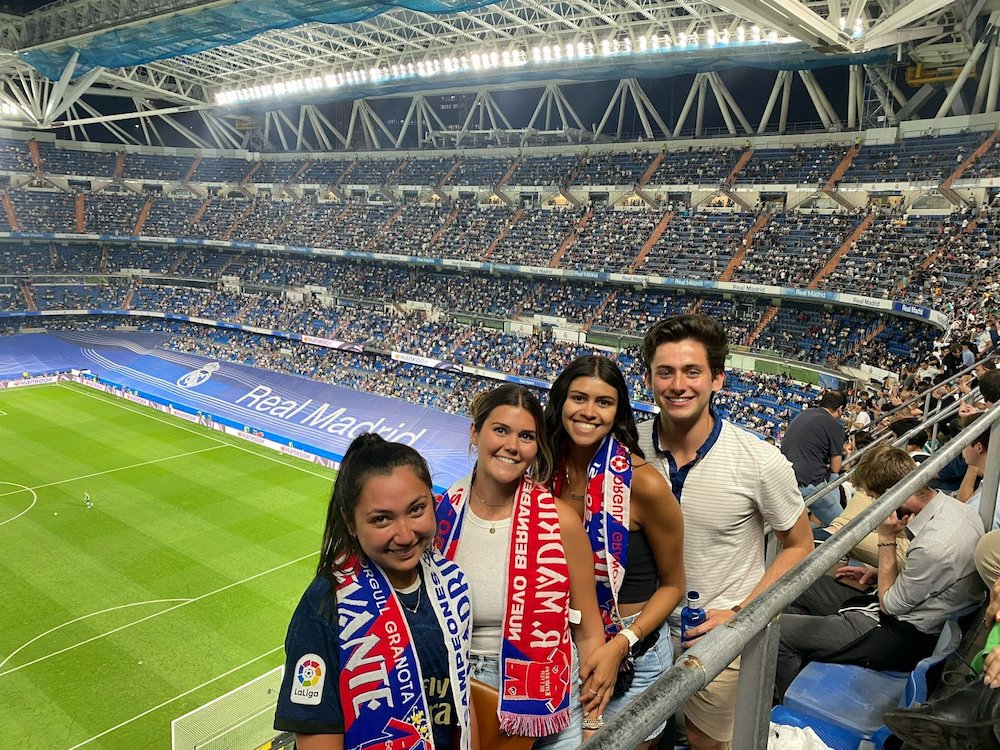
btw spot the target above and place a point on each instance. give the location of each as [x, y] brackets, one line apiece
[535, 653]
[381, 687]
[606, 518]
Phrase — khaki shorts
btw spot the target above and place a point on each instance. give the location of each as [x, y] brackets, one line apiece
[713, 708]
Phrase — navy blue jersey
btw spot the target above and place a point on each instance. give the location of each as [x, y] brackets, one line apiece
[309, 699]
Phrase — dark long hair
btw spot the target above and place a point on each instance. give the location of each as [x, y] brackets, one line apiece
[369, 455]
[510, 394]
[607, 371]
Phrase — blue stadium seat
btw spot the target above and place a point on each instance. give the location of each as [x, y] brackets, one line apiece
[844, 704]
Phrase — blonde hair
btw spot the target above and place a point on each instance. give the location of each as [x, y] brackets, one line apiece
[881, 469]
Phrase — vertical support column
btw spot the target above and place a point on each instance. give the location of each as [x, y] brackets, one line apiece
[686, 109]
[852, 97]
[755, 688]
[984, 80]
[991, 96]
[991, 480]
[772, 100]
[700, 115]
[786, 97]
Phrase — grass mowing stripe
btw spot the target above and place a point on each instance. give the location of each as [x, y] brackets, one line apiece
[117, 468]
[175, 698]
[38, 637]
[146, 413]
[156, 614]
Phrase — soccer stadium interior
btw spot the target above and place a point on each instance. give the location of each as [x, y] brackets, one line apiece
[394, 207]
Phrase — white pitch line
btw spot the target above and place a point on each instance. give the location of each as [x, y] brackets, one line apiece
[23, 646]
[34, 499]
[117, 468]
[176, 697]
[237, 446]
[156, 614]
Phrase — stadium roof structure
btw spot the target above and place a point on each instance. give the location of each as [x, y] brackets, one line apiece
[258, 73]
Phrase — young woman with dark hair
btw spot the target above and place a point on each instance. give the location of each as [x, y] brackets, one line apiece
[634, 525]
[528, 564]
[377, 650]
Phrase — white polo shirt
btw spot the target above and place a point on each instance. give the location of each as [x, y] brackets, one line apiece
[736, 484]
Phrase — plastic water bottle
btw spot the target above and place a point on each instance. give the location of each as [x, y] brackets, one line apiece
[692, 615]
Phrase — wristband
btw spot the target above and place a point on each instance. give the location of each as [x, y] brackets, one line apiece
[630, 636]
[887, 544]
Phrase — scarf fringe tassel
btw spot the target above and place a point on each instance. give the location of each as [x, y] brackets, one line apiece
[534, 726]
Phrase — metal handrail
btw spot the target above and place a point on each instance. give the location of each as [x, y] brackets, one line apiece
[924, 394]
[707, 658]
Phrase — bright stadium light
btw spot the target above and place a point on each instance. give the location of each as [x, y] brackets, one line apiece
[555, 52]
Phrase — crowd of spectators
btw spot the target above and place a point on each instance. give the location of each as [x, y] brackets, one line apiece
[920, 158]
[792, 166]
[920, 258]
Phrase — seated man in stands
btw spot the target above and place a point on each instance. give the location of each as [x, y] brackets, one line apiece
[898, 626]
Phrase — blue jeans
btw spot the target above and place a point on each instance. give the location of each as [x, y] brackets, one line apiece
[648, 669]
[486, 669]
[827, 507]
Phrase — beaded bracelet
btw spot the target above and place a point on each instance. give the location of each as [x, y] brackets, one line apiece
[887, 544]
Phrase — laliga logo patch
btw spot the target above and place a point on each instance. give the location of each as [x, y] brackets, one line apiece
[310, 674]
[196, 377]
[618, 464]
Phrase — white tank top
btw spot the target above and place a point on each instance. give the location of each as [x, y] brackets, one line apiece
[482, 556]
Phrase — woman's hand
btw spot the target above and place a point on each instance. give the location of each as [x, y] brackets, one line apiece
[599, 673]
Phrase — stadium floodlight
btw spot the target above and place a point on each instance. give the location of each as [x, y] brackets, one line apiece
[487, 60]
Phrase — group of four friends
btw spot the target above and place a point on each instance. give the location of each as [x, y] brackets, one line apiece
[555, 571]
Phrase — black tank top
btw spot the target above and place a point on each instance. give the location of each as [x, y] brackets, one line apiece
[641, 578]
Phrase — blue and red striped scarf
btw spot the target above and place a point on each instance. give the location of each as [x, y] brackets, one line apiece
[606, 518]
[381, 686]
[535, 652]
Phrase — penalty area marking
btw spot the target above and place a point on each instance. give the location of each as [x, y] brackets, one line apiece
[176, 697]
[38, 637]
[183, 603]
[143, 413]
[34, 499]
[111, 471]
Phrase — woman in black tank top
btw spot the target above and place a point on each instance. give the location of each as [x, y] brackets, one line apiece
[595, 440]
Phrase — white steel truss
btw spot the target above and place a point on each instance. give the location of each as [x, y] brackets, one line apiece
[176, 96]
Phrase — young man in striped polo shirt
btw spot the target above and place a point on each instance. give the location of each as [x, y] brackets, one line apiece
[729, 483]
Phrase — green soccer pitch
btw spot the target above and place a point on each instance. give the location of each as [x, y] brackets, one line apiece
[175, 588]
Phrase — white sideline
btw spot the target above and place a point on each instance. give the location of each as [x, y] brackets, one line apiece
[156, 614]
[176, 697]
[117, 468]
[114, 402]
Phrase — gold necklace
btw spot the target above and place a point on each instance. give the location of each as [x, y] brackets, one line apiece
[569, 486]
[493, 522]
